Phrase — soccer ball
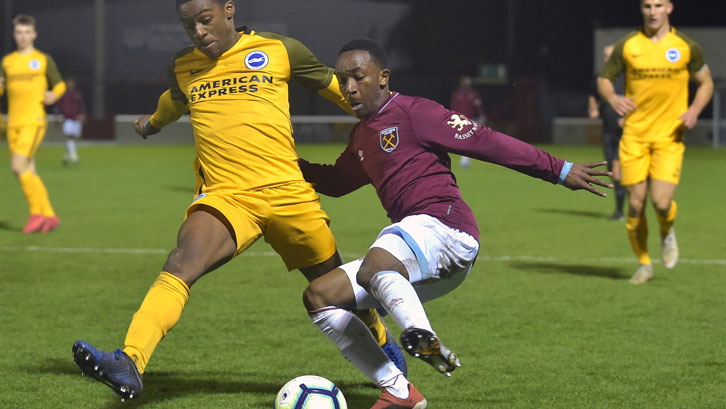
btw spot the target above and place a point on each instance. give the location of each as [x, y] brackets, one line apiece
[310, 392]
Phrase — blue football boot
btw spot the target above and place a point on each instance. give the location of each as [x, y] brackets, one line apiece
[395, 353]
[115, 369]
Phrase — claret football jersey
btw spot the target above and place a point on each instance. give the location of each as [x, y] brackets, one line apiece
[402, 150]
[239, 108]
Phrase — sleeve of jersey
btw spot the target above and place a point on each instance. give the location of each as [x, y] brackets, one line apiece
[172, 103]
[58, 86]
[337, 180]
[167, 111]
[697, 61]
[441, 129]
[615, 64]
[306, 70]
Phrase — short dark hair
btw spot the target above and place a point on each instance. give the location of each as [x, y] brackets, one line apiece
[24, 19]
[180, 2]
[363, 44]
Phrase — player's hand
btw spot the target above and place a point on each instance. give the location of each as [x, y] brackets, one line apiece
[143, 127]
[582, 176]
[622, 105]
[689, 119]
[49, 98]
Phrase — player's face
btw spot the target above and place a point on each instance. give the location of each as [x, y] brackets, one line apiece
[362, 82]
[24, 36]
[655, 13]
[209, 25]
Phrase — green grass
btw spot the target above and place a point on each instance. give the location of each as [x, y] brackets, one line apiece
[545, 320]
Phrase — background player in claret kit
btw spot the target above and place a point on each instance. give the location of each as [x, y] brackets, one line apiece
[466, 100]
[72, 107]
[612, 130]
[401, 147]
[658, 61]
[26, 74]
[249, 185]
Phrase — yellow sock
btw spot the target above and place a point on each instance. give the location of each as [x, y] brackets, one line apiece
[667, 222]
[41, 196]
[28, 185]
[159, 312]
[638, 235]
[374, 324]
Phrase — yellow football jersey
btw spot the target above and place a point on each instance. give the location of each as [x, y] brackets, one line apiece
[239, 108]
[656, 77]
[27, 77]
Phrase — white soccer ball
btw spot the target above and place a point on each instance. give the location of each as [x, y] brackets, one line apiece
[310, 392]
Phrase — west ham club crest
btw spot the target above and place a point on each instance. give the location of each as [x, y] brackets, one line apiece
[389, 139]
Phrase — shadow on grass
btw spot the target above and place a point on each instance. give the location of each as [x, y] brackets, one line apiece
[612, 273]
[580, 213]
[162, 385]
[6, 226]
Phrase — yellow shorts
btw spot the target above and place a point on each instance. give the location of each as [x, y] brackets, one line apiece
[24, 140]
[288, 216]
[641, 160]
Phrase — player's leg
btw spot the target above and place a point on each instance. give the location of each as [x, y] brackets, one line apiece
[665, 175]
[610, 151]
[24, 142]
[634, 165]
[329, 300]
[205, 241]
[72, 131]
[299, 231]
[619, 189]
[404, 259]
[637, 227]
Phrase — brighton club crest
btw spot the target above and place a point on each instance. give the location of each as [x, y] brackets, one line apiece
[389, 139]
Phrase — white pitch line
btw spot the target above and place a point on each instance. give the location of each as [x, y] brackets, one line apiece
[544, 259]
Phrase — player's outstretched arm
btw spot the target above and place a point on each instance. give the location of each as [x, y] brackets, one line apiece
[143, 127]
[582, 176]
[168, 110]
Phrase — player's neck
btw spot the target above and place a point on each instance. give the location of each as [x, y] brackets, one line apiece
[27, 50]
[658, 34]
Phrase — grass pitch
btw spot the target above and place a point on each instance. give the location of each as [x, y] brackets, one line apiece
[546, 319]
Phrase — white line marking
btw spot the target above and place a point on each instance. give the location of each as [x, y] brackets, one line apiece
[350, 256]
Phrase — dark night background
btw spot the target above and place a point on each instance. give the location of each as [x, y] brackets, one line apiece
[552, 48]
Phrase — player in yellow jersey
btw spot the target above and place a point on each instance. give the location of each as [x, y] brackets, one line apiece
[26, 75]
[234, 84]
[658, 61]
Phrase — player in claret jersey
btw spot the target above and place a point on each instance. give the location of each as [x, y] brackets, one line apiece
[249, 185]
[401, 147]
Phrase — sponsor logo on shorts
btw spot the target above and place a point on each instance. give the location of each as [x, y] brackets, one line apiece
[34, 64]
[389, 139]
[256, 60]
[673, 55]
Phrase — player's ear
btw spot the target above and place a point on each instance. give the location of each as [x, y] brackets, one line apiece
[229, 9]
[384, 77]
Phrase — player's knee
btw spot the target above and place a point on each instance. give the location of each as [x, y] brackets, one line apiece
[314, 296]
[178, 264]
[662, 205]
[364, 278]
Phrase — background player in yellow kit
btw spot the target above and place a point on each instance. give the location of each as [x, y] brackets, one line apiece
[26, 75]
[658, 61]
[249, 185]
